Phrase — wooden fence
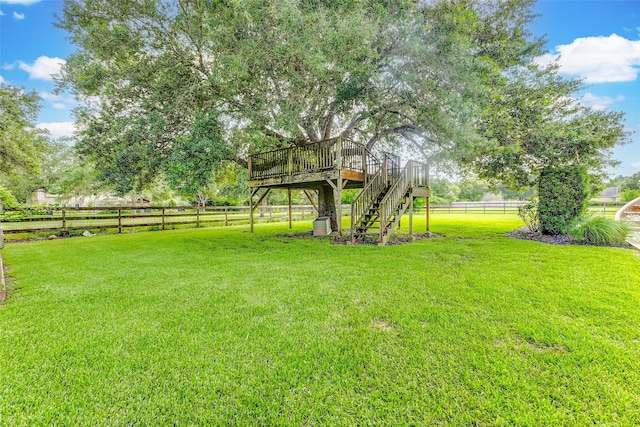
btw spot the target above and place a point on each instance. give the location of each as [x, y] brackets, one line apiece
[67, 220]
[606, 208]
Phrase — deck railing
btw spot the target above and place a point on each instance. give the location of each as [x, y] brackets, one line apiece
[337, 153]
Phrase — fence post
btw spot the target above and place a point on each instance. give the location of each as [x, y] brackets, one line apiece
[197, 217]
[1, 231]
[226, 216]
[64, 220]
[504, 208]
[3, 285]
[163, 219]
[119, 220]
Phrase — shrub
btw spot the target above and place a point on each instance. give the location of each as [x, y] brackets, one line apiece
[7, 199]
[599, 230]
[629, 195]
[529, 215]
[563, 193]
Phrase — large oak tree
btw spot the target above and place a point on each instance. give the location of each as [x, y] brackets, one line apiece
[176, 87]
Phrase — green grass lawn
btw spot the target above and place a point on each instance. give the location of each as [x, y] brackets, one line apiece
[223, 327]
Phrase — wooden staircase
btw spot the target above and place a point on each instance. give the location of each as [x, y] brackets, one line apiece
[387, 196]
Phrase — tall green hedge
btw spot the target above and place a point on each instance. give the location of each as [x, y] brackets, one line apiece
[563, 194]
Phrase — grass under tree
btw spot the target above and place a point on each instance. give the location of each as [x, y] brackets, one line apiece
[224, 327]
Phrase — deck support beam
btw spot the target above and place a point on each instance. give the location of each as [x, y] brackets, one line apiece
[411, 216]
[306, 193]
[427, 209]
[290, 213]
[252, 208]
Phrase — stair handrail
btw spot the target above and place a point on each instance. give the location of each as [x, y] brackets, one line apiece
[412, 173]
[361, 204]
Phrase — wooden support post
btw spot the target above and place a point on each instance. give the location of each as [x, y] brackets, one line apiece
[3, 285]
[198, 217]
[339, 185]
[339, 207]
[226, 217]
[64, 220]
[411, 216]
[252, 193]
[290, 213]
[120, 221]
[163, 219]
[428, 199]
[251, 208]
[427, 205]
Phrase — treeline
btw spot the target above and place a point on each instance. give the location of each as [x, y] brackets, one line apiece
[628, 186]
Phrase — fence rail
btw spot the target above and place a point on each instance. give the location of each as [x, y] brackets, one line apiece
[160, 218]
[512, 207]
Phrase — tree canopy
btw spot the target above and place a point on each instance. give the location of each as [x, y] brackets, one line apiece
[176, 87]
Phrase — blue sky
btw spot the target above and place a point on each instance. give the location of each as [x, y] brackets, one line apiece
[597, 40]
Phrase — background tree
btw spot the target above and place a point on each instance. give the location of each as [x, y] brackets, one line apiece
[59, 171]
[21, 143]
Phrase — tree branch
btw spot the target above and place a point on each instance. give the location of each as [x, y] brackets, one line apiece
[395, 130]
[239, 160]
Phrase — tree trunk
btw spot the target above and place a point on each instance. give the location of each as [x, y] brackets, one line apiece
[327, 205]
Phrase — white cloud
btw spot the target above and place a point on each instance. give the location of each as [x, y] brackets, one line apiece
[22, 2]
[3, 81]
[18, 16]
[599, 103]
[48, 96]
[8, 67]
[58, 129]
[598, 59]
[59, 102]
[636, 165]
[43, 68]
[1, 13]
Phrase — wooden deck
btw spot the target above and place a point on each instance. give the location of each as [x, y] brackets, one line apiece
[388, 190]
[306, 167]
